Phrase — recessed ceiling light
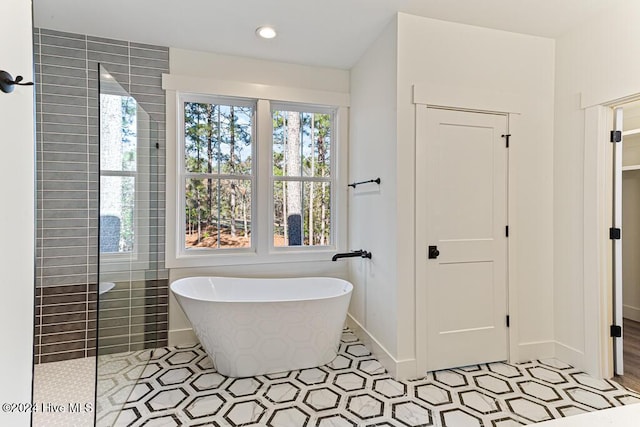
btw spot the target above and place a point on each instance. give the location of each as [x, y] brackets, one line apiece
[266, 32]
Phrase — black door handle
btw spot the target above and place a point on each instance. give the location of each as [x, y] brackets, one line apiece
[433, 252]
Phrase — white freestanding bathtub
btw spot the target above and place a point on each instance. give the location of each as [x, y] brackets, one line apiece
[260, 326]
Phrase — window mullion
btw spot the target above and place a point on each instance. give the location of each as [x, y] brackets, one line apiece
[118, 173]
[195, 175]
[263, 208]
[303, 178]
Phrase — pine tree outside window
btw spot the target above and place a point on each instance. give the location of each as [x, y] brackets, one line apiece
[302, 175]
[254, 180]
[217, 173]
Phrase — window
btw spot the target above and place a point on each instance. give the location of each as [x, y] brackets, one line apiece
[118, 169]
[128, 169]
[217, 173]
[301, 151]
[253, 179]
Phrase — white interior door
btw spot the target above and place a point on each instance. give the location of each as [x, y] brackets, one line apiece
[464, 157]
[618, 365]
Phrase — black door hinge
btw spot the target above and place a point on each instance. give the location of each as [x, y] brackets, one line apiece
[506, 230]
[507, 320]
[616, 331]
[616, 135]
[506, 138]
[615, 233]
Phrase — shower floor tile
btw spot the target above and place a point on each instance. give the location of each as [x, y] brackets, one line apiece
[60, 392]
[181, 387]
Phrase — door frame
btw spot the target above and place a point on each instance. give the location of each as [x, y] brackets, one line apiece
[478, 101]
[598, 250]
[618, 362]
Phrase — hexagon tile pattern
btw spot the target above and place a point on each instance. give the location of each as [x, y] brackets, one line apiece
[181, 387]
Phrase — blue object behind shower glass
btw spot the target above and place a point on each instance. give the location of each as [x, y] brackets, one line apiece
[109, 233]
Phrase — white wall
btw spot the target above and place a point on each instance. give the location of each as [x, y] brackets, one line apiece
[596, 62]
[16, 215]
[465, 58]
[372, 208]
[248, 70]
[437, 54]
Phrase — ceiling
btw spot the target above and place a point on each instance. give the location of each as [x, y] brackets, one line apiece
[332, 33]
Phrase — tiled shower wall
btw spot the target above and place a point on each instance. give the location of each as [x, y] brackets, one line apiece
[66, 70]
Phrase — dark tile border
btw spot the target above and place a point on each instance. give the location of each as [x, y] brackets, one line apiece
[66, 324]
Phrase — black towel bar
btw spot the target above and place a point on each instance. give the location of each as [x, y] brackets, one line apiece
[355, 184]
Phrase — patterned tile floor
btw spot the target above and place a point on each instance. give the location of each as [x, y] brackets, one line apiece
[181, 387]
[118, 375]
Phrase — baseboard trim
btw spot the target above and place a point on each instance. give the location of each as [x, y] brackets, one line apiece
[182, 337]
[398, 369]
[630, 312]
[570, 355]
[535, 350]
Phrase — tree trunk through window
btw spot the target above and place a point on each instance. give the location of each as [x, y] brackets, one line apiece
[294, 188]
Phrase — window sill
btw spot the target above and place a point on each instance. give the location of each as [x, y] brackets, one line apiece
[275, 256]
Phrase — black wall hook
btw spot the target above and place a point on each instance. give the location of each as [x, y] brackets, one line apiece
[7, 83]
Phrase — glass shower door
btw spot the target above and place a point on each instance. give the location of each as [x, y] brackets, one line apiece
[129, 255]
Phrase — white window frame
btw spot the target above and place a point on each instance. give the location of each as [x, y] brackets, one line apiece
[303, 108]
[183, 174]
[263, 251]
[113, 262]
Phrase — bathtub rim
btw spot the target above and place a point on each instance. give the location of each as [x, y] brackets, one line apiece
[179, 295]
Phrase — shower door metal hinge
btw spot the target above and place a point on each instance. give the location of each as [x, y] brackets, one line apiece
[506, 137]
[157, 145]
[507, 320]
[616, 331]
[615, 233]
[616, 135]
[506, 230]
